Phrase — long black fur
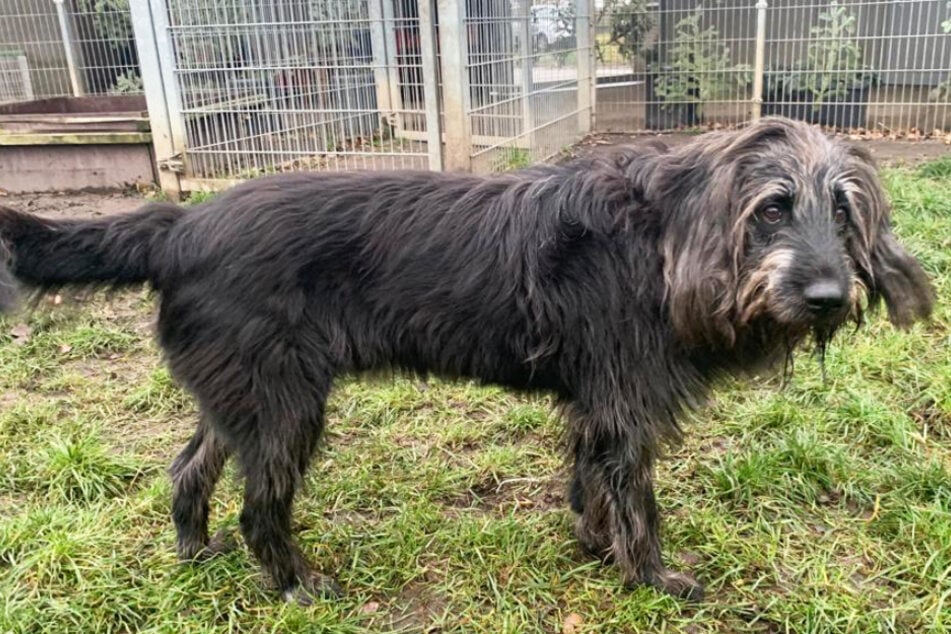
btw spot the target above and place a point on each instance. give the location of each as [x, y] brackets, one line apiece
[624, 285]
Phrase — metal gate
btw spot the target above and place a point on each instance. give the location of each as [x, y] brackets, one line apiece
[241, 89]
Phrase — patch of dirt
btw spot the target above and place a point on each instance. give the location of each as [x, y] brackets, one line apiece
[932, 420]
[516, 494]
[414, 609]
[74, 204]
[888, 152]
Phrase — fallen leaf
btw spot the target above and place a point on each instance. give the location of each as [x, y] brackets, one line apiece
[572, 624]
[370, 608]
[21, 334]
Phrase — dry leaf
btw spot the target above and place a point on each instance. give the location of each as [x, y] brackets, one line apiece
[370, 608]
[572, 624]
[21, 334]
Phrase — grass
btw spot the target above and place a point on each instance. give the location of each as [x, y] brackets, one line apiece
[440, 507]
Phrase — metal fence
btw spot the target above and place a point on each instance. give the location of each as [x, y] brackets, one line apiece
[238, 88]
[530, 71]
[872, 65]
[276, 86]
[54, 48]
[270, 86]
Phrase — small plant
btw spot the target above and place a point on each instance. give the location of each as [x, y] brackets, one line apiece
[942, 92]
[700, 68]
[514, 159]
[198, 196]
[833, 66]
[81, 469]
[127, 83]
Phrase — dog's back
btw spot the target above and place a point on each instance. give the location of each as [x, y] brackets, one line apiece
[414, 270]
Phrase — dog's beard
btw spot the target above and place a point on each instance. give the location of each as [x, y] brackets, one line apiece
[820, 337]
[765, 296]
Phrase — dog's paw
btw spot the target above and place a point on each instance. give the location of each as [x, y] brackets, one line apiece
[677, 584]
[315, 586]
[223, 542]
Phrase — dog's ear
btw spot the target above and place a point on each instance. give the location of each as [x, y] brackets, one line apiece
[898, 278]
[699, 252]
[888, 271]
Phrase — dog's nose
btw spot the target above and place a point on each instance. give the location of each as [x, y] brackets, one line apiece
[824, 296]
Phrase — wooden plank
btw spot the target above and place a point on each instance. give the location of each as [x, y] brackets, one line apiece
[52, 118]
[76, 138]
[40, 125]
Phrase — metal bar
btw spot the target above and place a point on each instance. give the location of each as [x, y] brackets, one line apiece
[427, 42]
[584, 29]
[526, 44]
[380, 58]
[25, 77]
[453, 46]
[759, 64]
[153, 83]
[392, 69]
[66, 33]
[167, 66]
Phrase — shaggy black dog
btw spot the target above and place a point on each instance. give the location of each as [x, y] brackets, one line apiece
[624, 285]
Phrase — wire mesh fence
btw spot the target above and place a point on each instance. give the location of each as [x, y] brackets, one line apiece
[358, 84]
[51, 48]
[15, 82]
[530, 71]
[852, 65]
[277, 86]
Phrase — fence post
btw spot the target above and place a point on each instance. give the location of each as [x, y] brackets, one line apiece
[526, 46]
[759, 63]
[150, 27]
[381, 59]
[25, 78]
[66, 32]
[453, 48]
[587, 77]
[430, 62]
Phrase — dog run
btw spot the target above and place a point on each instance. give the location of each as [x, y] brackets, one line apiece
[624, 285]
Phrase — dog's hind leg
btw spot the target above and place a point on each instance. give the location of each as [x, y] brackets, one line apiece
[613, 491]
[273, 470]
[194, 474]
[289, 393]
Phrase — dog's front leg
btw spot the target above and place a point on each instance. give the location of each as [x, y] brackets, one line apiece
[613, 493]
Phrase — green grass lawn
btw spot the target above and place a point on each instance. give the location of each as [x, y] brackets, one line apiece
[440, 507]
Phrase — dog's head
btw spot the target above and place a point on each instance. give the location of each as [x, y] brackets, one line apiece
[779, 226]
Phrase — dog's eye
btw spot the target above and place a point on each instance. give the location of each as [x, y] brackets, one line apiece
[841, 215]
[772, 214]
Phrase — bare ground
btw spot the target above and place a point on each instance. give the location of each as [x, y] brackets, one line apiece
[79, 204]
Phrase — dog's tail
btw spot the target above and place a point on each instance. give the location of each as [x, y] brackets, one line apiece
[44, 254]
